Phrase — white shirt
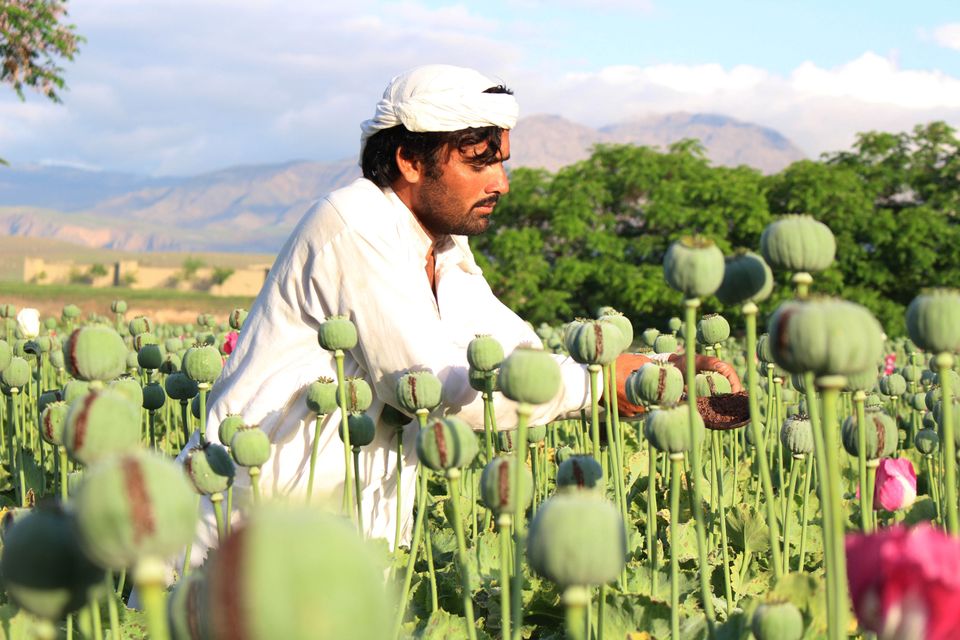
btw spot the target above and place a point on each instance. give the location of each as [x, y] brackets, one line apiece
[360, 252]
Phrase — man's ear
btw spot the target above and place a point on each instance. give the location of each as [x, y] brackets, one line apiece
[410, 170]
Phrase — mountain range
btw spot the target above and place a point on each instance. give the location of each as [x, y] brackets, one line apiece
[253, 208]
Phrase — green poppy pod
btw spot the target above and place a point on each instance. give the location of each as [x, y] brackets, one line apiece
[130, 388]
[133, 362]
[52, 422]
[562, 542]
[655, 383]
[777, 621]
[150, 356]
[746, 278]
[711, 383]
[950, 373]
[229, 427]
[798, 243]
[911, 373]
[579, 472]
[446, 443]
[118, 306]
[668, 429]
[51, 395]
[250, 447]
[171, 364]
[864, 380]
[537, 433]
[674, 324]
[595, 342]
[918, 401]
[180, 387]
[694, 266]
[70, 312]
[74, 390]
[496, 486]
[562, 454]
[530, 376]
[139, 341]
[623, 323]
[927, 377]
[237, 318]
[187, 608]
[321, 396]
[57, 360]
[172, 345]
[393, 418]
[649, 336]
[100, 424]
[933, 320]
[893, 384]
[665, 343]
[359, 394]
[796, 434]
[764, 352]
[505, 440]
[203, 364]
[484, 353]
[337, 333]
[263, 582]
[140, 324]
[362, 429]
[8, 311]
[44, 568]
[132, 506]
[154, 397]
[477, 379]
[418, 390]
[210, 468]
[881, 435]
[712, 329]
[17, 374]
[825, 336]
[95, 352]
[932, 398]
[195, 406]
[926, 441]
[6, 354]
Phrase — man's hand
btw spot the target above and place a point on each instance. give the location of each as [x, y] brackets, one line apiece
[709, 363]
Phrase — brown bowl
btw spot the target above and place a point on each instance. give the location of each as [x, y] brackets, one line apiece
[724, 411]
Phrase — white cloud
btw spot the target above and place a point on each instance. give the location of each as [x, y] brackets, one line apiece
[948, 35]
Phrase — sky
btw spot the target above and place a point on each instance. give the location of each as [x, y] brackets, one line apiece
[180, 87]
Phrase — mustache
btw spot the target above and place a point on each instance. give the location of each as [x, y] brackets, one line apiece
[488, 202]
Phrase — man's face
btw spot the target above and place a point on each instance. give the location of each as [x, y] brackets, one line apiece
[461, 200]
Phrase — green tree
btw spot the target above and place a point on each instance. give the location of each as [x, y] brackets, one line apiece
[33, 40]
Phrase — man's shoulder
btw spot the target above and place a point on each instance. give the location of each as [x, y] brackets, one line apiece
[358, 206]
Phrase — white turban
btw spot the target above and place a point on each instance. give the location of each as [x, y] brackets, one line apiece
[440, 97]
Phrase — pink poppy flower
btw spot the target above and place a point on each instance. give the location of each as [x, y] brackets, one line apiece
[905, 583]
[890, 363]
[230, 343]
[896, 486]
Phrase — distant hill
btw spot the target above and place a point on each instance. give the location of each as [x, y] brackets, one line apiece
[253, 208]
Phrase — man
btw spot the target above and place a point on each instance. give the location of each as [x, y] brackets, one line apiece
[390, 252]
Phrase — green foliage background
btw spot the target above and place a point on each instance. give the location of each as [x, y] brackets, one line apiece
[595, 232]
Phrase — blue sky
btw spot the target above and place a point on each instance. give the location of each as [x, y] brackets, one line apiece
[186, 86]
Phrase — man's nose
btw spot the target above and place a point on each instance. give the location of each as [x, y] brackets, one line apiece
[499, 183]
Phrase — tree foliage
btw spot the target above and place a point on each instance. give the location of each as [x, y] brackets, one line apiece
[32, 40]
[595, 232]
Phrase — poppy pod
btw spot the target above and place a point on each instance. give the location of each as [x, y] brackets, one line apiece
[665, 343]
[668, 429]
[203, 364]
[52, 422]
[210, 468]
[228, 428]
[359, 394]
[655, 383]
[622, 322]
[100, 424]
[926, 441]
[337, 333]
[746, 278]
[70, 312]
[130, 388]
[6, 354]
[187, 607]
[263, 582]
[321, 397]
[237, 318]
[16, 375]
[150, 356]
[579, 472]
[694, 266]
[649, 336]
[484, 353]
[530, 375]
[825, 337]
[362, 429]
[595, 342]
[777, 621]
[446, 443]
[797, 435]
[250, 447]
[497, 488]
[140, 324]
[933, 320]
[180, 387]
[712, 329]
[711, 383]
[562, 542]
[893, 384]
[118, 306]
[419, 390]
[134, 505]
[864, 380]
[44, 568]
[95, 352]
[881, 435]
[798, 243]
